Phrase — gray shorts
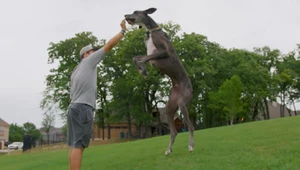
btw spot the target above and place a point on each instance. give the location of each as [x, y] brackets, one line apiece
[80, 125]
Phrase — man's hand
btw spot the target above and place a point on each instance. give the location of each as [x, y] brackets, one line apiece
[113, 41]
[123, 25]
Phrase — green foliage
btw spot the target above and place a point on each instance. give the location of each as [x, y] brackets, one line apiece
[65, 54]
[15, 133]
[228, 99]
[30, 129]
[48, 121]
[255, 77]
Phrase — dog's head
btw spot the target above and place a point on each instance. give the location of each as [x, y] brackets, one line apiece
[139, 17]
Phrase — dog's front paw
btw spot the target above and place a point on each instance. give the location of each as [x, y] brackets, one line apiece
[143, 72]
[168, 151]
[138, 58]
[191, 148]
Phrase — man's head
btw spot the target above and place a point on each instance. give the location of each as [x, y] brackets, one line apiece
[86, 51]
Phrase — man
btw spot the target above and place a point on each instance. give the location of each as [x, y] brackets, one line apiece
[83, 98]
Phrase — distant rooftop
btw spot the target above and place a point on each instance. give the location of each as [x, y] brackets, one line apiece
[3, 123]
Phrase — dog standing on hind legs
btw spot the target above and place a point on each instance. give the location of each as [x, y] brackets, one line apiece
[162, 55]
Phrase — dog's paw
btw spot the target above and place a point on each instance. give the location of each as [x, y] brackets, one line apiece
[168, 152]
[144, 73]
[191, 149]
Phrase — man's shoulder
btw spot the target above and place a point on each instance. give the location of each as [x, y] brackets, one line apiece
[100, 52]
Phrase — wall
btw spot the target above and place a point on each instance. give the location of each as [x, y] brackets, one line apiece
[4, 134]
[115, 131]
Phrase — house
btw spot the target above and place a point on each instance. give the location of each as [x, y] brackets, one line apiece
[274, 110]
[120, 130]
[4, 133]
[161, 126]
[55, 136]
[117, 131]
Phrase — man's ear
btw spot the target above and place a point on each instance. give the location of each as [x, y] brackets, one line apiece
[150, 10]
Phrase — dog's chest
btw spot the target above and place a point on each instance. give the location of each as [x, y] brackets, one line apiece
[149, 45]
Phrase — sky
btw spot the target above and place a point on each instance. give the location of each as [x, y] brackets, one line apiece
[27, 28]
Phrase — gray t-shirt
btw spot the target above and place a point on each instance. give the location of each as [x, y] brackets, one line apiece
[84, 79]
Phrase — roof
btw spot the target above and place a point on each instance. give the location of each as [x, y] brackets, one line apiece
[3, 123]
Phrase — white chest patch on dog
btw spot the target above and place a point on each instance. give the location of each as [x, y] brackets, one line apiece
[150, 46]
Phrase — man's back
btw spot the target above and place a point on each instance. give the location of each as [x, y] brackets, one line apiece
[84, 80]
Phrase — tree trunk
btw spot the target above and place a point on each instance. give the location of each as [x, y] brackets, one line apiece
[102, 129]
[282, 105]
[267, 108]
[140, 130]
[208, 120]
[108, 131]
[158, 124]
[129, 125]
[295, 111]
[264, 113]
[231, 120]
[289, 111]
[255, 111]
[102, 125]
[48, 136]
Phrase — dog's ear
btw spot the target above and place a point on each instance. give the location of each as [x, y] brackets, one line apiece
[150, 10]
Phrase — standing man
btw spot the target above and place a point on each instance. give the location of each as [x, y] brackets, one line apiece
[83, 98]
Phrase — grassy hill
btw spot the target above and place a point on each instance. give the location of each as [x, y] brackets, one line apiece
[263, 145]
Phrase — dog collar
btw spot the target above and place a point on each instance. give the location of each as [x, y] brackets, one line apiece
[154, 29]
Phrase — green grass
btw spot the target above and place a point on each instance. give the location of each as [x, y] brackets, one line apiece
[264, 145]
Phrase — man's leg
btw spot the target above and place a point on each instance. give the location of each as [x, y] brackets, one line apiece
[76, 158]
[80, 123]
[70, 153]
[69, 135]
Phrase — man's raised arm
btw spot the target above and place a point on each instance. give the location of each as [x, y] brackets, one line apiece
[98, 55]
[113, 41]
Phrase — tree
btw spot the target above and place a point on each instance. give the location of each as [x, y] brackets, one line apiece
[30, 129]
[255, 77]
[16, 133]
[66, 55]
[285, 82]
[101, 120]
[268, 59]
[48, 123]
[201, 59]
[228, 99]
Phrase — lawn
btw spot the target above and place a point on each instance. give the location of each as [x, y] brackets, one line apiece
[263, 145]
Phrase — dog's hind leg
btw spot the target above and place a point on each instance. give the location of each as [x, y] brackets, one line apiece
[184, 100]
[171, 108]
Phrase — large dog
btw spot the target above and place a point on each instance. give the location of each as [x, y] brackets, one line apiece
[162, 55]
